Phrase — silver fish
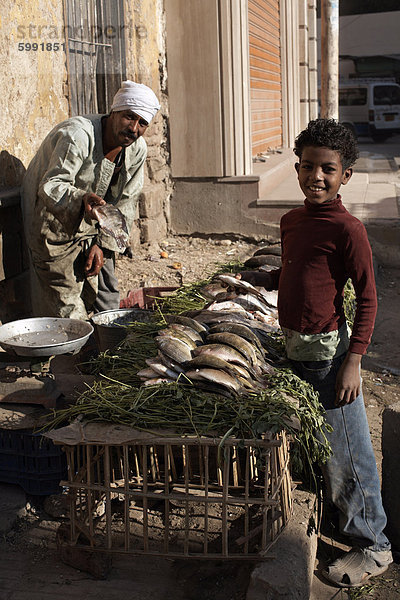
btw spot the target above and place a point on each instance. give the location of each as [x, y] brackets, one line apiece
[161, 369]
[147, 374]
[222, 351]
[157, 381]
[250, 302]
[268, 319]
[112, 222]
[237, 342]
[214, 362]
[168, 362]
[178, 335]
[215, 376]
[175, 349]
[225, 306]
[194, 335]
[212, 290]
[242, 330]
[271, 297]
[188, 321]
[231, 281]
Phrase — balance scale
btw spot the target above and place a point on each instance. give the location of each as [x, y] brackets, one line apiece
[30, 345]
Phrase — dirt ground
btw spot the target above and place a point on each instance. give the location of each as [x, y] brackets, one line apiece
[188, 259]
[29, 548]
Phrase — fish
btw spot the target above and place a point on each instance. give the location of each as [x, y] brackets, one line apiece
[237, 342]
[240, 284]
[112, 221]
[157, 381]
[274, 249]
[147, 374]
[225, 306]
[161, 369]
[263, 259]
[242, 330]
[215, 376]
[269, 320]
[168, 362]
[175, 349]
[192, 333]
[214, 362]
[188, 321]
[250, 302]
[225, 352]
[177, 335]
[215, 318]
[211, 317]
[210, 387]
[212, 290]
[271, 297]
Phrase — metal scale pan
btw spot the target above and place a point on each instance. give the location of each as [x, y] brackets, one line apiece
[39, 339]
[44, 336]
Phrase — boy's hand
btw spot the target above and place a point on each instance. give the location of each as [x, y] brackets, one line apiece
[348, 381]
[259, 278]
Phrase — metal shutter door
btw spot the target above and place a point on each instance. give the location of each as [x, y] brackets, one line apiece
[265, 75]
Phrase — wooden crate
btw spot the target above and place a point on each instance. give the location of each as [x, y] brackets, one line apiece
[180, 497]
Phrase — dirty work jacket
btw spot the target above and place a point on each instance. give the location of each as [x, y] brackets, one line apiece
[69, 163]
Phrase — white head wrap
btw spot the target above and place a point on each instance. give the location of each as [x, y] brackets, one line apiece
[136, 97]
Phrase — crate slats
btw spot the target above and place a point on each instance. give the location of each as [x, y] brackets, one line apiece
[180, 497]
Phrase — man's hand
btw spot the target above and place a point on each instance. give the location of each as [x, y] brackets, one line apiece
[348, 382]
[259, 278]
[90, 201]
[94, 261]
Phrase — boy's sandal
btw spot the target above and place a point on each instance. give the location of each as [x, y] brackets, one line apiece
[353, 569]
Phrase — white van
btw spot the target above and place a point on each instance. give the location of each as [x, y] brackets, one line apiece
[370, 107]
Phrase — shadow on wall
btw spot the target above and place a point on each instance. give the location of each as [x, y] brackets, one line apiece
[14, 275]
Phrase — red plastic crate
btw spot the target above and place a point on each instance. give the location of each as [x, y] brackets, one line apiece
[145, 297]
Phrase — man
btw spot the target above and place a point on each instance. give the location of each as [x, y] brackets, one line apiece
[83, 163]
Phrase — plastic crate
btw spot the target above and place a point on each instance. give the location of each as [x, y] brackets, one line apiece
[145, 297]
[32, 461]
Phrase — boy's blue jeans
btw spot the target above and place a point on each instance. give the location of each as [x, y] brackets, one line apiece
[350, 474]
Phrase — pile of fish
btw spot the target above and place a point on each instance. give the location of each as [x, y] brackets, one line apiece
[237, 296]
[225, 347]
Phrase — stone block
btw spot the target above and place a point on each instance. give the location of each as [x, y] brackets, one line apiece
[153, 230]
[391, 471]
[151, 201]
[134, 239]
[288, 576]
[219, 207]
[157, 169]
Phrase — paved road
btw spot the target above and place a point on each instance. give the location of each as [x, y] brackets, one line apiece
[389, 148]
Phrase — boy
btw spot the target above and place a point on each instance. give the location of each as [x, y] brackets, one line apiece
[322, 246]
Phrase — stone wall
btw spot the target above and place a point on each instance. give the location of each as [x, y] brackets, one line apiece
[146, 63]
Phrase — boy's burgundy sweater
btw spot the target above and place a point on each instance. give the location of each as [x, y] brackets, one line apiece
[322, 246]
